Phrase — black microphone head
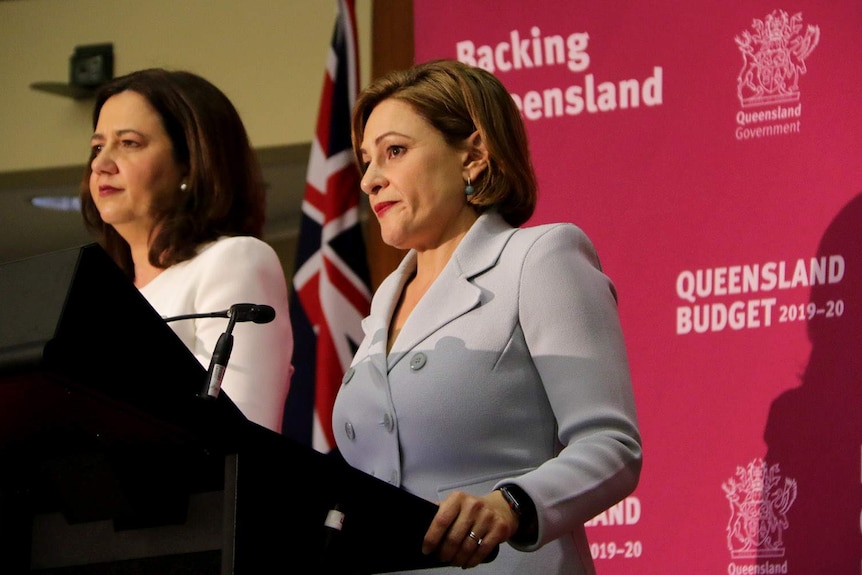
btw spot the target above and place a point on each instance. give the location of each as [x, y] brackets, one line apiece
[258, 313]
[262, 314]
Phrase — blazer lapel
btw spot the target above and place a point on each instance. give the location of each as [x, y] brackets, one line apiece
[453, 293]
[376, 324]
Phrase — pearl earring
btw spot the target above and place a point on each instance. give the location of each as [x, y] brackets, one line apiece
[184, 187]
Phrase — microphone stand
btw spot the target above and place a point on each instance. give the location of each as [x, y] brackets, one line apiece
[218, 363]
[258, 313]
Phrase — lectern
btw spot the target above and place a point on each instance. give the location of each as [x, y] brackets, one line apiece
[110, 463]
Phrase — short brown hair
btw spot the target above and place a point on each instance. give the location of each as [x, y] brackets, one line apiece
[225, 193]
[457, 99]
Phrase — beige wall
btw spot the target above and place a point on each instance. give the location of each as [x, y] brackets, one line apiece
[267, 55]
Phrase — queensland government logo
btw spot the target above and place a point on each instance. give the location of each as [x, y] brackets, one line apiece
[774, 59]
[759, 501]
[774, 56]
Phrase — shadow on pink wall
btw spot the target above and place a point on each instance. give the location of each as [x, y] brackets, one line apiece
[814, 431]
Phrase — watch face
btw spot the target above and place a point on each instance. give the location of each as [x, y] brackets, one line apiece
[513, 503]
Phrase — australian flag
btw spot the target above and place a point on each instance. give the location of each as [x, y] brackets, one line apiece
[331, 293]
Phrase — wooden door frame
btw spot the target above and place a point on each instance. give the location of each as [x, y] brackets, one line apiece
[391, 49]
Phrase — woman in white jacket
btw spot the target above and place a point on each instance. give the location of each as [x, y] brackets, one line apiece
[174, 193]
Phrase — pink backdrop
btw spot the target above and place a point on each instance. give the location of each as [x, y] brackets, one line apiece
[712, 152]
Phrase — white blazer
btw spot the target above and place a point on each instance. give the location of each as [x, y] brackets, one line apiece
[233, 270]
[512, 368]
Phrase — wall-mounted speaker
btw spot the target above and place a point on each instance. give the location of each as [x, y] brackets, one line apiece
[91, 66]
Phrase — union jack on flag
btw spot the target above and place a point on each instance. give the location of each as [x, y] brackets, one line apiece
[330, 285]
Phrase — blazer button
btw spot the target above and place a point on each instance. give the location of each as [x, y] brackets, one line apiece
[348, 430]
[418, 361]
[348, 375]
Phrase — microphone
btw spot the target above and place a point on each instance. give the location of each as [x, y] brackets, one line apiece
[258, 313]
[240, 312]
[333, 557]
[333, 524]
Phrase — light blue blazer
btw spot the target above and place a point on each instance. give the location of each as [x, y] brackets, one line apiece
[511, 369]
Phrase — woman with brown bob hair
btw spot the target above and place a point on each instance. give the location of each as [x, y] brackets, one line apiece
[493, 377]
[458, 100]
[175, 195]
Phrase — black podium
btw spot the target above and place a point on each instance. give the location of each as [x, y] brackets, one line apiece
[110, 463]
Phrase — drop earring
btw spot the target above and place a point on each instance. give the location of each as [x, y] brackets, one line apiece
[469, 190]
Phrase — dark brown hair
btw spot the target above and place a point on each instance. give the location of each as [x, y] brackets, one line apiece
[457, 99]
[225, 193]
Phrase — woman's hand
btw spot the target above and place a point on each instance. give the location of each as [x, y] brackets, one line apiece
[467, 528]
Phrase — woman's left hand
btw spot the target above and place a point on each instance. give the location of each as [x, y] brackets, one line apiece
[467, 528]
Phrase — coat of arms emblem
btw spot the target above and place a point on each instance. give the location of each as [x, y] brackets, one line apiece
[774, 58]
